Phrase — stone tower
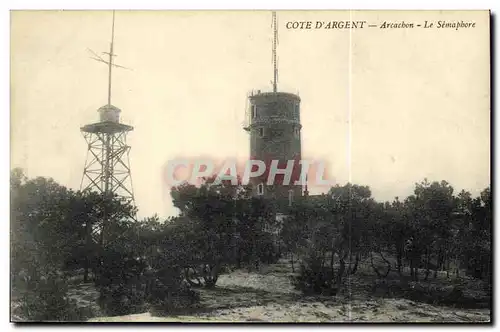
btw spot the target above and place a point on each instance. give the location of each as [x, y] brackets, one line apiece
[274, 127]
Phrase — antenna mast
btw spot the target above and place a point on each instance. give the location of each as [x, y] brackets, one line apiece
[111, 55]
[107, 168]
[275, 56]
[109, 62]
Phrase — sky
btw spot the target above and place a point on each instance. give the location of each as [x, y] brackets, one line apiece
[383, 107]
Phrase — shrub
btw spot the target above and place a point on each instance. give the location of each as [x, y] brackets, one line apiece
[45, 299]
[120, 284]
[268, 251]
[170, 292]
[314, 278]
[121, 299]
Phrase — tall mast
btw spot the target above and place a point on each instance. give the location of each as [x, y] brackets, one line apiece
[111, 55]
[275, 56]
[109, 62]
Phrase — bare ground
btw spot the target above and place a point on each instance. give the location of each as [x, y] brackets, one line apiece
[268, 296]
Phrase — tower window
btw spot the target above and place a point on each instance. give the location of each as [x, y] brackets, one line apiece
[254, 111]
[297, 110]
[290, 197]
[277, 133]
[261, 132]
[260, 189]
[296, 132]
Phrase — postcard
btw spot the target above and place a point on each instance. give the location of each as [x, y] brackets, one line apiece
[248, 166]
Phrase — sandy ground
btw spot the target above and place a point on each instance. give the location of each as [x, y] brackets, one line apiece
[387, 311]
[268, 296]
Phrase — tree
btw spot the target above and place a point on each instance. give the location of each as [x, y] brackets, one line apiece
[228, 226]
[476, 235]
[334, 233]
[210, 210]
[430, 218]
[44, 235]
[255, 228]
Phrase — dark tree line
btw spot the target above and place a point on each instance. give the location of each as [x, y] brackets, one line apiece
[432, 230]
[55, 236]
[153, 263]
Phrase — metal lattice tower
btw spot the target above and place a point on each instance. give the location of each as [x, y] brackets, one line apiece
[107, 168]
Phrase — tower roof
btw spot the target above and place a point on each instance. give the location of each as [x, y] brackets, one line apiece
[109, 107]
[270, 95]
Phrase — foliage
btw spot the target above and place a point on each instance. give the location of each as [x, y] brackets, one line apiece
[315, 278]
[119, 283]
[430, 230]
[51, 231]
[225, 227]
[45, 299]
[170, 292]
[153, 262]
